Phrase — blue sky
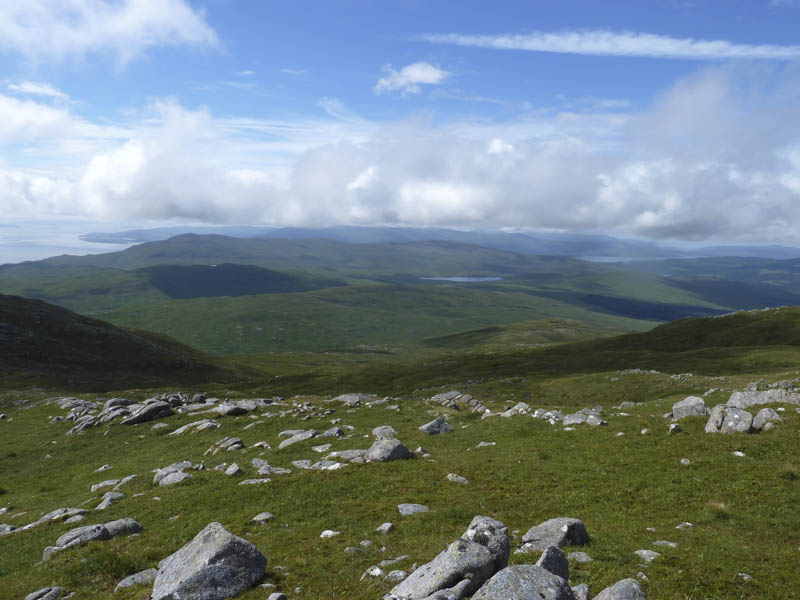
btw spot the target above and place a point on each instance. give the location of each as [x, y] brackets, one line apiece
[666, 120]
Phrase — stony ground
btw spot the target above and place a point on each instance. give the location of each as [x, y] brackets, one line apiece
[685, 514]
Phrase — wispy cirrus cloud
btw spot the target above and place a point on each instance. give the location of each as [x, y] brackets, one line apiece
[600, 42]
[60, 29]
[34, 88]
[410, 78]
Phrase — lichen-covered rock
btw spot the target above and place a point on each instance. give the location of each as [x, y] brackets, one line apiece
[213, 566]
[492, 534]
[729, 419]
[561, 531]
[461, 559]
[388, 449]
[764, 416]
[525, 582]
[627, 589]
[693, 406]
[148, 412]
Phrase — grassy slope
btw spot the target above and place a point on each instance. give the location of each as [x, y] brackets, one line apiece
[41, 342]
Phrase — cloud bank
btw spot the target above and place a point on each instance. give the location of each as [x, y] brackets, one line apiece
[609, 43]
[72, 29]
[703, 162]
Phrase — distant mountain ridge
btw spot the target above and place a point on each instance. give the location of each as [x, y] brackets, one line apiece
[556, 244]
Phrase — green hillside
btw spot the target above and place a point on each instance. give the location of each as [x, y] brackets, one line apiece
[41, 343]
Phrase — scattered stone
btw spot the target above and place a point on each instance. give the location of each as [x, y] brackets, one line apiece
[560, 531]
[329, 533]
[105, 467]
[456, 478]
[693, 406]
[746, 577]
[277, 596]
[263, 518]
[213, 566]
[196, 427]
[685, 461]
[674, 428]
[233, 469]
[298, 437]
[321, 448]
[90, 533]
[738, 453]
[436, 427]
[422, 453]
[665, 544]
[228, 444]
[385, 528]
[684, 525]
[387, 449]
[384, 431]
[579, 557]
[374, 571]
[106, 483]
[749, 398]
[108, 499]
[408, 509]
[354, 400]
[485, 444]
[627, 589]
[48, 593]
[254, 481]
[647, 556]
[146, 577]
[765, 416]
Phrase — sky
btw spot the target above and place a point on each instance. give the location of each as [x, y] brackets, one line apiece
[665, 120]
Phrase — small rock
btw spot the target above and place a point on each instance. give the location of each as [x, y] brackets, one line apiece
[647, 556]
[665, 544]
[579, 557]
[407, 509]
[456, 478]
[264, 517]
[329, 533]
[233, 469]
[674, 428]
[146, 577]
[685, 461]
[627, 589]
[436, 427]
[385, 528]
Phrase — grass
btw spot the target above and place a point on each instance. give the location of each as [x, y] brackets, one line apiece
[742, 508]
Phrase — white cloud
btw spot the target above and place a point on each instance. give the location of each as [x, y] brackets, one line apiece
[60, 29]
[627, 43]
[32, 88]
[410, 78]
[703, 162]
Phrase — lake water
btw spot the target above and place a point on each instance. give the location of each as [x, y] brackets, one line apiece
[462, 279]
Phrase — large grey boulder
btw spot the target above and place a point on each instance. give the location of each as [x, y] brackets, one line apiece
[437, 426]
[729, 419]
[214, 565]
[693, 406]
[387, 449]
[764, 416]
[554, 560]
[627, 589]
[461, 560]
[492, 534]
[148, 412]
[525, 582]
[751, 398]
[561, 531]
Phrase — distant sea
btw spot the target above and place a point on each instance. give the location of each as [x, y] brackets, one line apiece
[35, 240]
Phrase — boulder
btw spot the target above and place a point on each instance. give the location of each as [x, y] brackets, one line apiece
[729, 419]
[693, 406]
[435, 427]
[408, 509]
[553, 560]
[525, 582]
[48, 593]
[384, 431]
[298, 437]
[561, 531]
[388, 449]
[461, 560]
[146, 577]
[627, 589]
[214, 565]
[764, 416]
[492, 534]
[751, 398]
[148, 412]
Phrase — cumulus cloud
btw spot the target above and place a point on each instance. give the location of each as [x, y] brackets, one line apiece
[703, 162]
[409, 79]
[60, 29]
[626, 43]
